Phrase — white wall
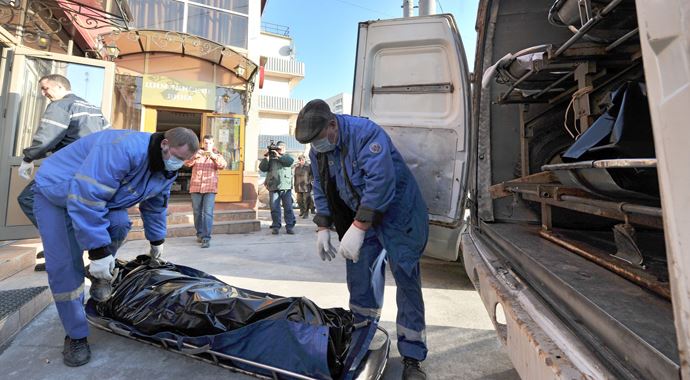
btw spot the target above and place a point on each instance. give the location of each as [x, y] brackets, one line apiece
[251, 139]
[274, 125]
[274, 86]
[274, 46]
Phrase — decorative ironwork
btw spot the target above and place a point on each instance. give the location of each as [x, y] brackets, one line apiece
[171, 41]
[35, 19]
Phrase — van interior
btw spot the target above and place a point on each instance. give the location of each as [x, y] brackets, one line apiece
[565, 185]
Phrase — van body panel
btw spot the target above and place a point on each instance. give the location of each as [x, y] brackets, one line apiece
[665, 32]
[411, 78]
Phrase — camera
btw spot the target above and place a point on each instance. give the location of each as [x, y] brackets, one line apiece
[272, 149]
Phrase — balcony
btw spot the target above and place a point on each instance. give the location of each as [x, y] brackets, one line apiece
[284, 67]
[279, 30]
[280, 105]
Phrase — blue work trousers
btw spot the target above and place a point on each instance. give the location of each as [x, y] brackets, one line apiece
[26, 202]
[64, 259]
[403, 235]
[202, 205]
[284, 196]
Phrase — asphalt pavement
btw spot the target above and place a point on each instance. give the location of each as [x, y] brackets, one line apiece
[461, 339]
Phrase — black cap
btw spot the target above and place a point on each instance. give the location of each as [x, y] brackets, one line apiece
[313, 118]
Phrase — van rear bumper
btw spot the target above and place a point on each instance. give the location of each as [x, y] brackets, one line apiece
[536, 340]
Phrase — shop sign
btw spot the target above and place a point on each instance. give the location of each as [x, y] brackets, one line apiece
[160, 90]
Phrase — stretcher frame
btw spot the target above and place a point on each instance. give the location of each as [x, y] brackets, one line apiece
[196, 352]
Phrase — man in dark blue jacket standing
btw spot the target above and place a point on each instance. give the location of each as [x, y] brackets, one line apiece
[66, 119]
[363, 187]
[81, 196]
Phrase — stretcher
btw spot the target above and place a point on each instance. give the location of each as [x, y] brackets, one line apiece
[262, 335]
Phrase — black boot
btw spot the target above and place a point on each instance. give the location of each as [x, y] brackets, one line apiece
[76, 352]
[413, 370]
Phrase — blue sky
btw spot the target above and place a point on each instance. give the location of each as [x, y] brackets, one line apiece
[325, 36]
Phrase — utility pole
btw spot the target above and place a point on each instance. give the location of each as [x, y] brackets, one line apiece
[427, 7]
[408, 8]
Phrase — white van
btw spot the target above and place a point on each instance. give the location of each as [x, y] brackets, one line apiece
[569, 148]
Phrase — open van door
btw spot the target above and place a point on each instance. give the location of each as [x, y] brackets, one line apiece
[411, 78]
[664, 36]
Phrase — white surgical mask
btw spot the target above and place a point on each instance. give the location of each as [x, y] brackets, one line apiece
[322, 145]
[173, 164]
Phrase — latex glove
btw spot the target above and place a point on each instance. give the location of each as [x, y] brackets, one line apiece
[324, 246]
[156, 251]
[352, 243]
[103, 268]
[26, 169]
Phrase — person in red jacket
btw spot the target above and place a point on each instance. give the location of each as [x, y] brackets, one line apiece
[205, 166]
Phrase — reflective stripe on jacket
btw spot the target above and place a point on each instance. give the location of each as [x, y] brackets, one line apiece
[63, 122]
[104, 171]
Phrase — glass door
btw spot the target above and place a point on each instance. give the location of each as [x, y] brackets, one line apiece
[91, 80]
[228, 133]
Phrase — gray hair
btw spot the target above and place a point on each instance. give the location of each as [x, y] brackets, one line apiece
[182, 136]
[57, 78]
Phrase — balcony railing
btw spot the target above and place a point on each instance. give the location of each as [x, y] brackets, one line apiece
[280, 104]
[287, 66]
[280, 30]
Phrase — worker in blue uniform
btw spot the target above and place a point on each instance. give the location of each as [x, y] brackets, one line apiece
[363, 187]
[66, 118]
[81, 196]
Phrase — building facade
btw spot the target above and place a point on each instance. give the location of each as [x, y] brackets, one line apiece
[277, 110]
[150, 65]
[37, 38]
[340, 103]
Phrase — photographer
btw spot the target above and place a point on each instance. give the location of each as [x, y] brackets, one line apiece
[278, 167]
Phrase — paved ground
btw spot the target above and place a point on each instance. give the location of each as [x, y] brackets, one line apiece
[461, 339]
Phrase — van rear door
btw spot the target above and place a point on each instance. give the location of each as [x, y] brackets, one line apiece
[411, 78]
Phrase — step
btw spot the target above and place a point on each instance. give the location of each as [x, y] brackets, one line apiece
[188, 217]
[14, 259]
[224, 227]
[186, 206]
[18, 307]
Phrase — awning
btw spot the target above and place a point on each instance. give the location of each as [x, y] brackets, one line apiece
[50, 17]
[159, 41]
[79, 20]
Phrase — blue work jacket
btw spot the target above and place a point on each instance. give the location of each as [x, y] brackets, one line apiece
[113, 169]
[371, 176]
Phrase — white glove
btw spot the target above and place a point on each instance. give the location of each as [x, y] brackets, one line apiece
[26, 169]
[156, 251]
[103, 268]
[352, 243]
[324, 246]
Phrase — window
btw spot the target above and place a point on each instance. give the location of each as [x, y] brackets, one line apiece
[229, 101]
[86, 82]
[223, 21]
[158, 14]
[127, 102]
[239, 6]
[226, 132]
[218, 26]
